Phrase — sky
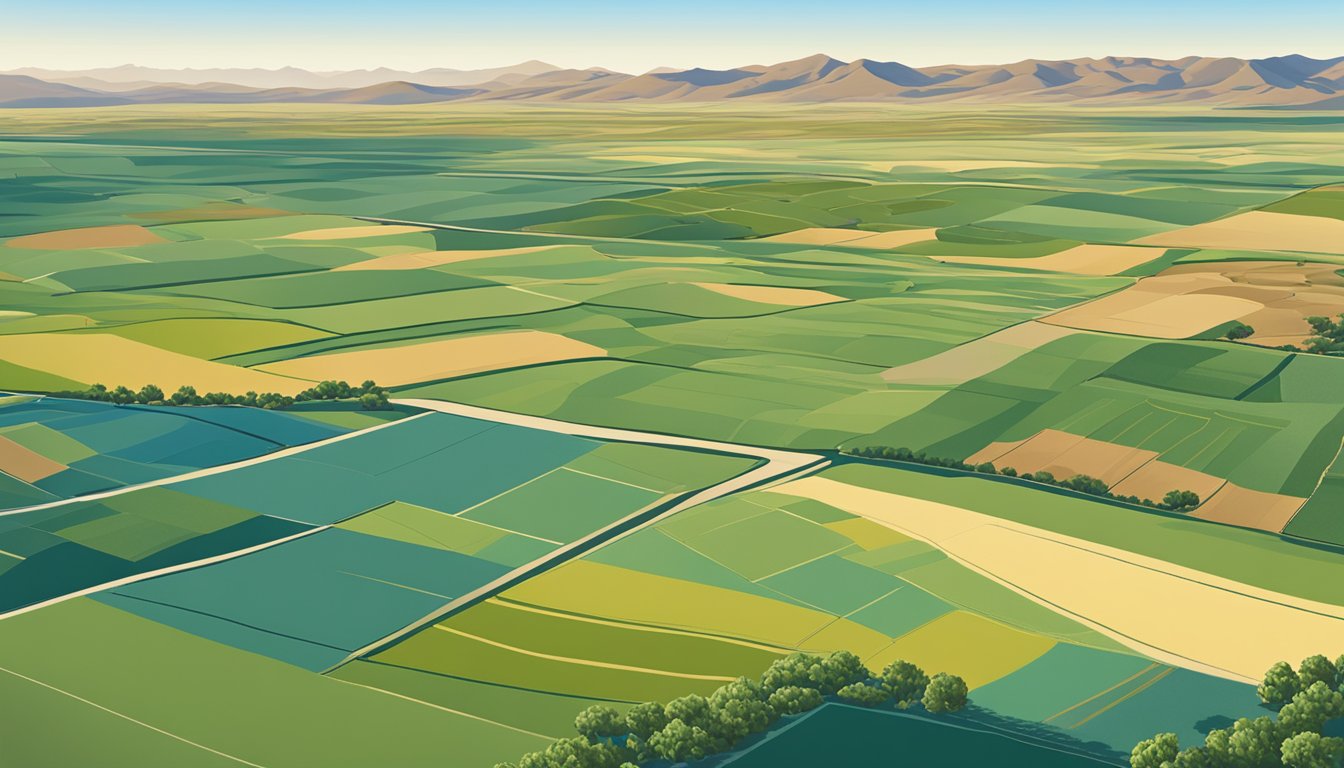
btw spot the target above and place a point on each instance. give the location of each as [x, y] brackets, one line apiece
[638, 36]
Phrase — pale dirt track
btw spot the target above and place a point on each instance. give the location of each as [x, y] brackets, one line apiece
[775, 466]
[1170, 613]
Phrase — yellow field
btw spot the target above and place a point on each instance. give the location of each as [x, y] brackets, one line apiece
[1086, 259]
[435, 360]
[1171, 613]
[767, 294]
[972, 646]
[351, 233]
[103, 358]
[1260, 231]
[429, 259]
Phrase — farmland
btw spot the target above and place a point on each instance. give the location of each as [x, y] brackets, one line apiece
[631, 360]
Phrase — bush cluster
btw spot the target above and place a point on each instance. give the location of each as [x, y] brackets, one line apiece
[694, 727]
[1173, 501]
[370, 396]
[1306, 699]
[1329, 335]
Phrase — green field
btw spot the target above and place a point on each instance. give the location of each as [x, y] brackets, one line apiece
[435, 589]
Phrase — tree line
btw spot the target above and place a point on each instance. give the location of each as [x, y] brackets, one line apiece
[694, 727]
[370, 396]
[1304, 699]
[1173, 501]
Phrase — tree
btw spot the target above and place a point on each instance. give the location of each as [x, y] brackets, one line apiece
[796, 669]
[1311, 750]
[945, 693]
[97, 392]
[1156, 752]
[645, 719]
[842, 668]
[1041, 477]
[1312, 707]
[1280, 685]
[185, 395]
[793, 700]
[122, 395]
[905, 681]
[692, 709]
[1256, 742]
[600, 721]
[1195, 757]
[149, 394]
[574, 753]
[739, 709]
[864, 695]
[1180, 501]
[1086, 484]
[680, 742]
[986, 468]
[373, 401]
[1238, 331]
[1315, 669]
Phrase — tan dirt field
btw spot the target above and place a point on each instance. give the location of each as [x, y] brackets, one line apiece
[115, 361]
[1259, 231]
[893, 239]
[1065, 455]
[427, 259]
[1276, 327]
[1173, 614]
[352, 233]
[1087, 259]
[977, 357]
[1179, 317]
[817, 236]
[435, 360]
[1273, 297]
[25, 464]
[1252, 509]
[769, 294]
[115, 236]
[853, 238]
[1164, 306]
[1154, 479]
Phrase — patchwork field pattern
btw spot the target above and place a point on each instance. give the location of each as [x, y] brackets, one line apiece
[1036, 289]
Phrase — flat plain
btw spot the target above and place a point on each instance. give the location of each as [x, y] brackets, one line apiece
[1056, 291]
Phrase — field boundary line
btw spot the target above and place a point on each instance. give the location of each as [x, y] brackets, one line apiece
[582, 662]
[209, 471]
[132, 579]
[128, 718]
[1150, 682]
[773, 466]
[636, 627]
[1099, 694]
[442, 708]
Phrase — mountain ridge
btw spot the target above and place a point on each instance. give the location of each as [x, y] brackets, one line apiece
[1280, 81]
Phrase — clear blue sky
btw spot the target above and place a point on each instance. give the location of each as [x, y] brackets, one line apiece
[635, 36]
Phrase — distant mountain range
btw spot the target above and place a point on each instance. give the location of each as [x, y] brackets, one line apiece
[1281, 81]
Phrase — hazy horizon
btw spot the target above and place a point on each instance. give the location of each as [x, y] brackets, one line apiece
[416, 35]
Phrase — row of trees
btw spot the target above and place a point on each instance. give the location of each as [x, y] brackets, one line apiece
[694, 727]
[1306, 699]
[1174, 501]
[370, 396]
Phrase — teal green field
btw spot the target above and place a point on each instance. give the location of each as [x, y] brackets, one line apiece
[661, 397]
